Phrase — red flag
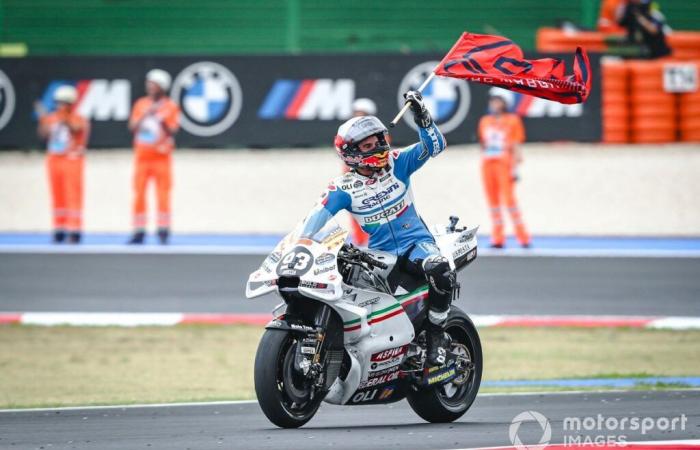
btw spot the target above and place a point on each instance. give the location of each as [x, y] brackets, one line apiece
[497, 61]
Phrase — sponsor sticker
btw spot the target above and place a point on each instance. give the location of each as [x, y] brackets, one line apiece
[384, 364]
[390, 353]
[388, 212]
[381, 379]
[325, 258]
[386, 393]
[324, 269]
[371, 301]
[441, 376]
[366, 396]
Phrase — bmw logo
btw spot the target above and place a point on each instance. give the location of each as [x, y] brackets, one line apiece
[447, 99]
[209, 96]
[7, 99]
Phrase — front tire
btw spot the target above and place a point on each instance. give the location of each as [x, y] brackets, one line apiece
[447, 403]
[281, 393]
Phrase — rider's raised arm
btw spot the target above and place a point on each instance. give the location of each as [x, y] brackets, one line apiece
[412, 158]
[332, 200]
[431, 144]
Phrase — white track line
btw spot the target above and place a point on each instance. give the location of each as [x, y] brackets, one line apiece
[264, 250]
[135, 319]
[250, 402]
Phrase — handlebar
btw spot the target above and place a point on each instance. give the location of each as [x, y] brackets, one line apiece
[373, 262]
[354, 254]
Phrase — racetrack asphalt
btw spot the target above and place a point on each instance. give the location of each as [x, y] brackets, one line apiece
[243, 426]
[215, 283]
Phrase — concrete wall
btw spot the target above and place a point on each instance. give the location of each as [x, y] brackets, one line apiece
[566, 189]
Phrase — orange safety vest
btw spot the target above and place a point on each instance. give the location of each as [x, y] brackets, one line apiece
[150, 136]
[499, 134]
[61, 140]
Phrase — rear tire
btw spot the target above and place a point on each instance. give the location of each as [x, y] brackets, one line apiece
[271, 373]
[435, 405]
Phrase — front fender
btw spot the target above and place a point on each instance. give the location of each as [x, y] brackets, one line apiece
[279, 323]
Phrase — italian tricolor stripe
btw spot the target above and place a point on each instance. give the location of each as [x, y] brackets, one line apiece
[389, 311]
[375, 317]
[412, 297]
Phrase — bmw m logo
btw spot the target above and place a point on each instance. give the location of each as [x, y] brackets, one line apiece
[210, 98]
[7, 99]
[447, 99]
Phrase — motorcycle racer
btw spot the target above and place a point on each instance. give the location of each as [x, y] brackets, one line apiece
[378, 195]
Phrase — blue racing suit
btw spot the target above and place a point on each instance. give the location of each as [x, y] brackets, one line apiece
[383, 203]
[383, 206]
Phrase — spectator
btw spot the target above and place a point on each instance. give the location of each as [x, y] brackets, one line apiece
[154, 121]
[66, 134]
[500, 134]
[645, 27]
[607, 19]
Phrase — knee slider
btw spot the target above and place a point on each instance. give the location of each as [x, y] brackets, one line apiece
[439, 275]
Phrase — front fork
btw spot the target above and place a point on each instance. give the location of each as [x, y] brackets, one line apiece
[308, 358]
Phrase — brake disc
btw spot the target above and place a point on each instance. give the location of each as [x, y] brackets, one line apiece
[464, 363]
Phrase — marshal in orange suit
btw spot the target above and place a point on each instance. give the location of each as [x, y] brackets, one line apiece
[500, 133]
[154, 121]
[66, 134]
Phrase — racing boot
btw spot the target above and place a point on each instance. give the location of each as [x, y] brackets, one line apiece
[163, 235]
[137, 238]
[59, 236]
[438, 340]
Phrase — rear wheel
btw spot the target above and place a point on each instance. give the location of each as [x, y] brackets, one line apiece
[284, 394]
[449, 402]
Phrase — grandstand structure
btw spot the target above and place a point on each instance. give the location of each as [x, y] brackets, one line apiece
[145, 27]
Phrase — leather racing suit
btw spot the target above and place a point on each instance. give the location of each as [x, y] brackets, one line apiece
[383, 205]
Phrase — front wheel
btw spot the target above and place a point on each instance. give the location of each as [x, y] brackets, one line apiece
[284, 395]
[449, 402]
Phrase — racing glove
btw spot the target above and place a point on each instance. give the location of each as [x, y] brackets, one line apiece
[420, 113]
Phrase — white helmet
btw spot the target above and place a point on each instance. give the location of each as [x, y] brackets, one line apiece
[364, 106]
[507, 96]
[354, 131]
[159, 77]
[65, 94]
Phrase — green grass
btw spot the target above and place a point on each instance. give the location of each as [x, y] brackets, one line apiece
[62, 366]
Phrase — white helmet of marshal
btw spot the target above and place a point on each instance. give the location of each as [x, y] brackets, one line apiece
[159, 77]
[507, 96]
[364, 107]
[65, 94]
[354, 131]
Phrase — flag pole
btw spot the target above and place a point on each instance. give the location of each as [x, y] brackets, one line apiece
[426, 82]
[408, 104]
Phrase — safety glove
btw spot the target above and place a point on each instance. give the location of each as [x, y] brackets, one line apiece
[421, 115]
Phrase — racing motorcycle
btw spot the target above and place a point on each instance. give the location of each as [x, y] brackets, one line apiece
[350, 330]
